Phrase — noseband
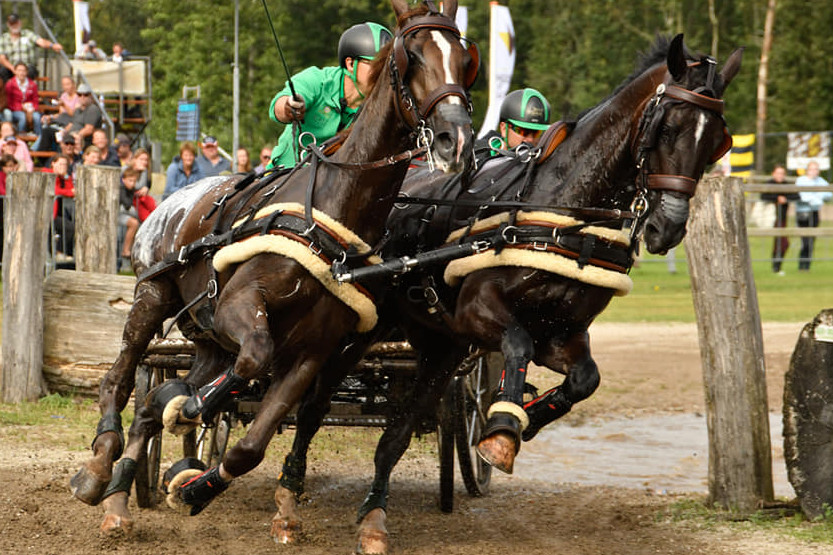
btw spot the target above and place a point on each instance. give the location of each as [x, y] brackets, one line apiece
[668, 95]
[407, 109]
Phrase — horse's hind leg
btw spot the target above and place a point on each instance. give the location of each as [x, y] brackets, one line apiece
[153, 302]
[581, 381]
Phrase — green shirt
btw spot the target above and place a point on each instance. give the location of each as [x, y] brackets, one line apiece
[323, 91]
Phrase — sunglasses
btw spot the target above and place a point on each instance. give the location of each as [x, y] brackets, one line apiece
[524, 132]
[84, 94]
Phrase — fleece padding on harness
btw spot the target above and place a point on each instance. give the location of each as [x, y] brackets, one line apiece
[276, 244]
[547, 261]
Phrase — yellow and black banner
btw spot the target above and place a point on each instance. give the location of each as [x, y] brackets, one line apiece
[742, 158]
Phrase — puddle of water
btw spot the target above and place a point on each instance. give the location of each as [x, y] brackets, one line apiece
[667, 453]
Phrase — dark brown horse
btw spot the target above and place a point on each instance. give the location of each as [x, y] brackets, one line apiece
[533, 294]
[267, 302]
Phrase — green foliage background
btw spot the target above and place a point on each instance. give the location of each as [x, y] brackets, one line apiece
[575, 51]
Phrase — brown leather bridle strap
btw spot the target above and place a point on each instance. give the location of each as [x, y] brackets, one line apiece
[701, 100]
[676, 183]
[440, 93]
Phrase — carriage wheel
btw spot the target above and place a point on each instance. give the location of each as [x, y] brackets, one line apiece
[445, 439]
[211, 442]
[472, 394]
[147, 469]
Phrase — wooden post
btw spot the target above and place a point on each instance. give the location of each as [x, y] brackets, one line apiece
[731, 346]
[28, 213]
[96, 209]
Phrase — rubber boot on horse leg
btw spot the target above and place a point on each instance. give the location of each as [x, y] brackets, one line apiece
[506, 418]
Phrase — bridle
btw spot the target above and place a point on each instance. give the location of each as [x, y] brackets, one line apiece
[407, 110]
[667, 95]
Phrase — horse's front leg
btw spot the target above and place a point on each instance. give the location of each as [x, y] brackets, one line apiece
[581, 381]
[152, 304]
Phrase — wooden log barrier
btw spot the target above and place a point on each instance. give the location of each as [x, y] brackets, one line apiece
[86, 313]
[97, 208]
[731, 347]
[28, 211]
[808, 416]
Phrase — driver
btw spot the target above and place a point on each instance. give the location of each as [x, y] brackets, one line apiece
[524, 115]
[327, 98]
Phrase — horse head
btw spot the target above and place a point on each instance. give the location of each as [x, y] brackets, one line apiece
[434, 101]
[681, 131]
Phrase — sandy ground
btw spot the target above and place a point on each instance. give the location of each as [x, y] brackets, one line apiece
[599, 482]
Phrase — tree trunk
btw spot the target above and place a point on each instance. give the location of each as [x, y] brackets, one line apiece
[731, 347]
[28, 213]
[763, 76]
[97, 210]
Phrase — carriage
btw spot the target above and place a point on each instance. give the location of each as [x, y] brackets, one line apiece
[366, 397]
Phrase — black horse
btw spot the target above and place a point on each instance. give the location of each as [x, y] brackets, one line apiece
[545, 273]
[244, 263]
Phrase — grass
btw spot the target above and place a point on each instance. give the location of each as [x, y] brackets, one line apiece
[785, 520]
[659, 296]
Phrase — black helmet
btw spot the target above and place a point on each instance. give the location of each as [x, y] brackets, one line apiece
[362, 41]
[526, 108]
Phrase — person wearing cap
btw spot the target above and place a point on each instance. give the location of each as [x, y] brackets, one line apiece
[328, 98]
[80, 125]
[69, 150]
[18, 45]
[22, 100]
[123, 149]
[524, 115]
[91, 51]
[209, 161]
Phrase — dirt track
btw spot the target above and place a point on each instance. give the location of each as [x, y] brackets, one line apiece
[535, 516]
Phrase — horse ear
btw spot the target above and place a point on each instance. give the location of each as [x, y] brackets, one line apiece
[676, 58]
[399, 7]
[450, 8]
[731, 67]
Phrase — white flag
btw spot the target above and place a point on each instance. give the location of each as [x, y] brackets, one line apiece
[81, 11]
[462, 19]
[501, 64]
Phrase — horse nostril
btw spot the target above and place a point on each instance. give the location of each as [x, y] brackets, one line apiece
[445, 143]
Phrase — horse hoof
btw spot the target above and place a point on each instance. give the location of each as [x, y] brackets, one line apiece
[285, 531]
[87, 487]
[174, 499]
[498, 450]
[373, 536]
[115, 524]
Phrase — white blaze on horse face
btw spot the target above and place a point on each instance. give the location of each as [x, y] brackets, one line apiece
[445, 48]
[701, 128]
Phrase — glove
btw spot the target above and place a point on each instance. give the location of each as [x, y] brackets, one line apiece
[297, 108]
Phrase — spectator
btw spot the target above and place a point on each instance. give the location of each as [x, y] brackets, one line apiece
[141, 163]
[109, 157]
[8, 164]
[244, 162]
[22, 151]
[134, 207]
[18, 45]
[91, 156]
[782, 206]
[265, 158]
[183, 170]
[69, 99]
[22, 101]
[123, 149]
[807, 211]
[69, 150]
[330, 95]
[86, 118]
[119, 53]
[210, 162]
[8, 148]
[63, 211]
[91, 51]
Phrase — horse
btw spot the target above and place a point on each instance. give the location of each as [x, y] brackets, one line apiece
[242, 263]
[542, 275]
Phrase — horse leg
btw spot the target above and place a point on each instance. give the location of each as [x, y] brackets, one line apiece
[287, 526]
[581, 381]
[506, 418]
[152, 304]
[437, 366]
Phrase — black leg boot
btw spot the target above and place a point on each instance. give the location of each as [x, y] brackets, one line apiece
[541, 411]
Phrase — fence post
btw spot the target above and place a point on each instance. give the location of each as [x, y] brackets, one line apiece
[96, 209]
[731, 346]
[28, 213]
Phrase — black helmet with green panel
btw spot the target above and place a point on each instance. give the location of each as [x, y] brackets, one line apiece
[526, 108]
[362, 41]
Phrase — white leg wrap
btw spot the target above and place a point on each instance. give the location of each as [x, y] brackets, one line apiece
[511, 408]
[172, 419]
